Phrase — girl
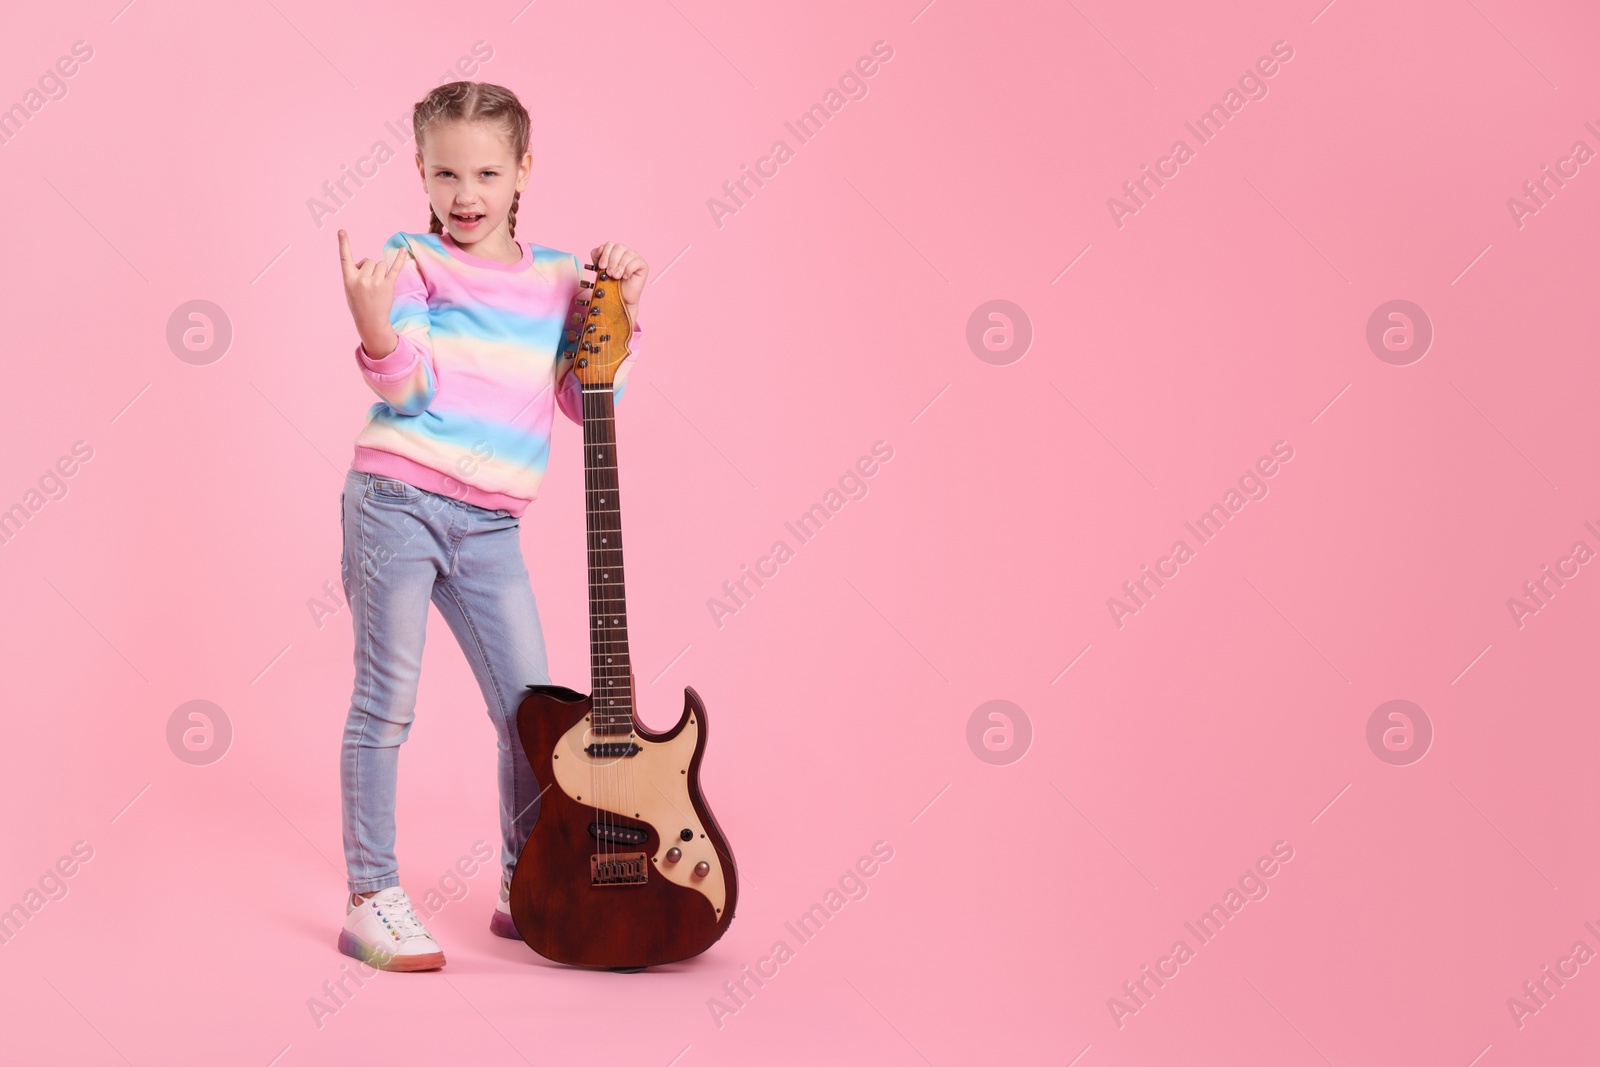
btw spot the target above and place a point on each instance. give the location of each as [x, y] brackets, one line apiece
[460, 330]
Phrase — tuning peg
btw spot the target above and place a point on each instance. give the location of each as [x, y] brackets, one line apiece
[599, 292]
[586, 284]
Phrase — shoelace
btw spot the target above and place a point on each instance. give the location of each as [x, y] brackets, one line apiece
[397, 912]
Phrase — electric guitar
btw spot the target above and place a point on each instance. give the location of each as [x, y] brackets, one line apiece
[626, 867]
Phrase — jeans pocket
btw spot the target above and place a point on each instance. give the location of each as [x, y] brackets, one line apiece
[392, 489]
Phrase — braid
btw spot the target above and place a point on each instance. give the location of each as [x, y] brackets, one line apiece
[512, 220]
[434, 225]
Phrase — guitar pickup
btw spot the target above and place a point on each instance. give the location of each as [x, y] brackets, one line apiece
[611, 749]
[617, 834]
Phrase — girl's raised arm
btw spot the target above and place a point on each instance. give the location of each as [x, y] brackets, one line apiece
[389, 303]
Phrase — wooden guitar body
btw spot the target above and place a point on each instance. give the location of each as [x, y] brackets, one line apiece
[648, 800]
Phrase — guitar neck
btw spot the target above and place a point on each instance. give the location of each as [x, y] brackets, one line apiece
[611, 681]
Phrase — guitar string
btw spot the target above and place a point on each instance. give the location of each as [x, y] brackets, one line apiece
[589, 478]
[602, 528]
[605, 645]
[623, 764]
[602, 643]
[607, 429]
[594, 772]
[625, 770]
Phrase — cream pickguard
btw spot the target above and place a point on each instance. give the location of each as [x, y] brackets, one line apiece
[652, 786]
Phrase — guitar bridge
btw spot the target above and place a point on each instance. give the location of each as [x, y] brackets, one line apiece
[618, 868]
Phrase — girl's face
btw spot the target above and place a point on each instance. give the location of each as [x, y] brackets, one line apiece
[470, 177]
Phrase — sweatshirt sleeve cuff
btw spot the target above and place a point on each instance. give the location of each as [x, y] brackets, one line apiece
[394, 367]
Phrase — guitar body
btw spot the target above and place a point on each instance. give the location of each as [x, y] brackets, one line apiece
[611, 874]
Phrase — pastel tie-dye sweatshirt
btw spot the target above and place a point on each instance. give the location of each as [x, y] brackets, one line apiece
[470, 393]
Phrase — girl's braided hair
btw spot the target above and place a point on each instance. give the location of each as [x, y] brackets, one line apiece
[473, 102]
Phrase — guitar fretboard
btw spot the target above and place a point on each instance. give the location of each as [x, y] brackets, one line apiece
[611, 683]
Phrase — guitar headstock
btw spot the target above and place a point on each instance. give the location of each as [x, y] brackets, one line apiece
[597, 335]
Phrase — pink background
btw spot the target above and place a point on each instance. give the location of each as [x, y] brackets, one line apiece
[828, 313]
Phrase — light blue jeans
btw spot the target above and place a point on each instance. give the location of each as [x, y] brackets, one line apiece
[405, 546]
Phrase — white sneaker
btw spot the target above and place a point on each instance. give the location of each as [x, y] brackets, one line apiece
[500, 923]
[384, 931]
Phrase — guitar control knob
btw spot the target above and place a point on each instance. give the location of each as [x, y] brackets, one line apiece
[686, 834]
[673, 855]
[702, 869]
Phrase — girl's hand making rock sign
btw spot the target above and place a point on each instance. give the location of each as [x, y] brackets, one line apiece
[369, 290]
